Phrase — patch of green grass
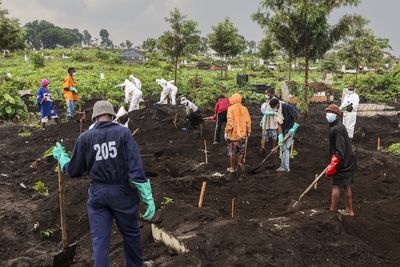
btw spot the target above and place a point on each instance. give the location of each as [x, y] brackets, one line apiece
[40, 188]
[394, 149]
[25, 133]
[49, 232]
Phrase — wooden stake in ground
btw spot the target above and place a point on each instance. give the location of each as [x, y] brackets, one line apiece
[201, 131]
[64, 236]
[233, 208]
[379, 144]
[175, 119]
[202, 192]
[135, 131]
[205, 150]
[292, 150]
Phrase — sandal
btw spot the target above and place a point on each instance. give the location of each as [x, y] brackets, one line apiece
[230, 170]
[345, 213]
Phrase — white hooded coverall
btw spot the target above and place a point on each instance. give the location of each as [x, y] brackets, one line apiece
[132, 95]
[349, 118]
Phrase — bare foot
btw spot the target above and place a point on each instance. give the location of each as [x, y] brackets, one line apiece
[346, 213]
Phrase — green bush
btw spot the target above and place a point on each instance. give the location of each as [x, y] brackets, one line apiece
[102, 55]
[394, 149]
[37, 61]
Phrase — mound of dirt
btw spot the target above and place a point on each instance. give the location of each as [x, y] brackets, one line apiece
[263, 232]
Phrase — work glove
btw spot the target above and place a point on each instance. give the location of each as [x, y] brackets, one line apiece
[331, 170]
[147, 198]
[293, 130]
[349, 108]
[248, 135]
[269, 113]
[280, 139]
[226, 136]
[60, 155]
[73, 89]
[213, 118]
[261, 121]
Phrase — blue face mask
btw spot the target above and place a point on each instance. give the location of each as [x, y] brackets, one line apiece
[330, 117]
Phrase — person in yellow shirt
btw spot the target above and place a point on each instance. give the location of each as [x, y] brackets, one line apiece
[70, 93]
[238, 128]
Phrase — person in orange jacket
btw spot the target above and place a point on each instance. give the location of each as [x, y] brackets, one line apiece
[237, 129]
[70, 93]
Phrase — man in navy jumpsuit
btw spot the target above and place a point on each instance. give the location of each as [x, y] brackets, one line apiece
[109, 155]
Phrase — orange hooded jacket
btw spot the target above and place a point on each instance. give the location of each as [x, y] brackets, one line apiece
[68, 83]
[238, 124]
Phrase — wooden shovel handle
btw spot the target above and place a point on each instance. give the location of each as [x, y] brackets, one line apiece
[312, 184]
[64, 235]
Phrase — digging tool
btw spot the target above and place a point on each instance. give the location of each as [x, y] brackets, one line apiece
[82, 119]
[67, 255]
[269, 155]
[156, 155]
[135, 131]
[296, 203]
[202, 192]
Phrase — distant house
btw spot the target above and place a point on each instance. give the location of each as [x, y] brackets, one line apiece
[133, 56]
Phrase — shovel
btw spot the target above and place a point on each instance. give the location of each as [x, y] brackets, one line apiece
[296, 203]
[67, 255]
[253, 171]
[156, 155]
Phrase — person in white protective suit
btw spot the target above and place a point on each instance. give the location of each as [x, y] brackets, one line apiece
[349, 107]
[193, 115]
[133, 95]
[173, 90]
[138, 84]
[164, 93]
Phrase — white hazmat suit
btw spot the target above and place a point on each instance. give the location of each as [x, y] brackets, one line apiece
[132, 95]
[351, 100]
[169, 90]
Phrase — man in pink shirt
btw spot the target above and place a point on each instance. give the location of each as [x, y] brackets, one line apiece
[221, 109]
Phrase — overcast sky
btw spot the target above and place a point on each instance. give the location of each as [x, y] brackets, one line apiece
[136, 20]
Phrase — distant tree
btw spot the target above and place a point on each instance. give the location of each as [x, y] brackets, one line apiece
[362, 48]
[11, 37]
[182, 39]
[301, 28]
[45, 34]
[105, 41]
[87, 38]
[252, 46]
[149, 44]
[122, 45]
[266, 49]
[128, 44]
[204, 44]
[226, 40]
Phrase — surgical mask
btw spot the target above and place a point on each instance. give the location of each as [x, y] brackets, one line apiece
[268, 97]
[74, 74]
[351, 92]
[331, 117]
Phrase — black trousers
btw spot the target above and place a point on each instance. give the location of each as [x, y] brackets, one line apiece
[221, 119]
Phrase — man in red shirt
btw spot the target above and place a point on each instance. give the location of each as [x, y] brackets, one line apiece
[221, 109]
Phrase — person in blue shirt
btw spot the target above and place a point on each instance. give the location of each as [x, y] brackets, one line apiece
[287, 129]
[110, 156]
[45, 104]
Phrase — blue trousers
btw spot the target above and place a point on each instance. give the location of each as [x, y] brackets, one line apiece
[120, 202]
[70, 108]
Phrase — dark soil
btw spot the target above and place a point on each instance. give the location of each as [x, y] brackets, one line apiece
[262, 233]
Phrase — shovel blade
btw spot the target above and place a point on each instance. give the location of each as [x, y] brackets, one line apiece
[65, 257]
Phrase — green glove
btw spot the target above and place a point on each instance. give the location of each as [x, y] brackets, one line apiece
[261, 121]
[293, 130]
[73, 89]
[269, 113]
[60, 155]
[280, 138]
[147, 198]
